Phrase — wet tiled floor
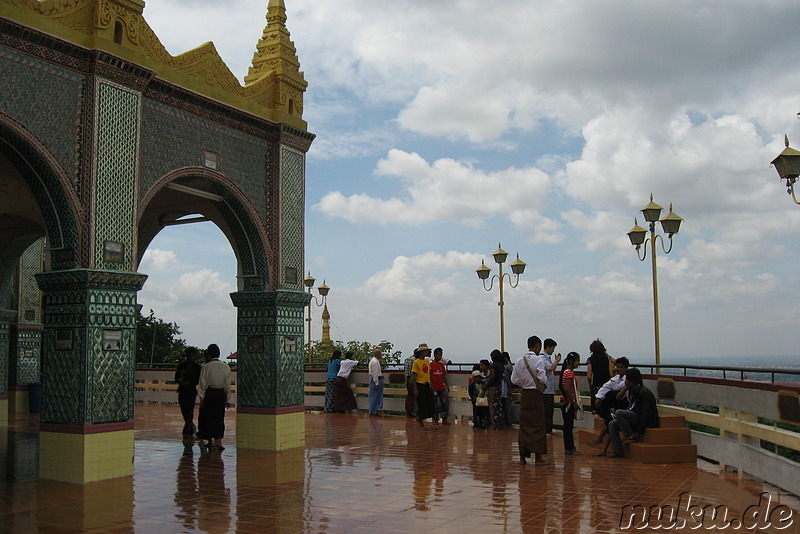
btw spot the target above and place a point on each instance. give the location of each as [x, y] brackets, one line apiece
[364, 475]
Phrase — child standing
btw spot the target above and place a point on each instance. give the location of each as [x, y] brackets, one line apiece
[477, 393]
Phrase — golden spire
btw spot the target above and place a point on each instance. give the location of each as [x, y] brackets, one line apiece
[276, 59]
[326, 326]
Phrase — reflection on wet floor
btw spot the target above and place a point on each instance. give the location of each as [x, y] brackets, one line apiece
[356, 474]
[19, 449]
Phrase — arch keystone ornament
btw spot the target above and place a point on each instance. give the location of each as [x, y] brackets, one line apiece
[105, 140]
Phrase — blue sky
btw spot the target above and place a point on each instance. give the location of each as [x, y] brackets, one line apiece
[446, 127]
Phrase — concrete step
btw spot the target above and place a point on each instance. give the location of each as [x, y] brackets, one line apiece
[661, 454]
[668, 436]
[671, 421]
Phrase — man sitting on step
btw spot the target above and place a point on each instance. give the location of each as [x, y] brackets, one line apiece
[606, 402]
[642, 412]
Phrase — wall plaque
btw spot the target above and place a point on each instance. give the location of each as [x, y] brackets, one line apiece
[112, 339]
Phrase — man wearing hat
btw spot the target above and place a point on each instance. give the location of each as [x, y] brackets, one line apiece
[421, 382]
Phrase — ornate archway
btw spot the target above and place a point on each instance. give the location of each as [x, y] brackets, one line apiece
[112, 138]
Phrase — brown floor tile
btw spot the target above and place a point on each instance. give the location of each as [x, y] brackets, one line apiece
[358, 474]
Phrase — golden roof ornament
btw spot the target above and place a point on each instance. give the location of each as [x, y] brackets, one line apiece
[273, 88]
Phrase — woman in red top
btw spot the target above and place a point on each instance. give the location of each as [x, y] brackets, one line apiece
[570, 401]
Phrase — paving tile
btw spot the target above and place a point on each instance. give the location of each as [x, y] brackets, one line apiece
[358, 474]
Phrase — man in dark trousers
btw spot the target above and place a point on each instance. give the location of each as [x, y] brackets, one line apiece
[187, 375]
[642, 412]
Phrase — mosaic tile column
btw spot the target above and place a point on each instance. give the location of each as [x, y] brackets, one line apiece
[26, 334]
[88, 354]
[270, 397]
[24, 357]
[6, 318]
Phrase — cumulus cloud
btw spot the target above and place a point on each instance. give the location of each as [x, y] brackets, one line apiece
[156, 260]
[559, 136]
[198, 301]
[518, 65]
[626, 158]
[424, 280]
[336, 145]
[446, 189]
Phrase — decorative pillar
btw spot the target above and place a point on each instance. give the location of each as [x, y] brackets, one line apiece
[89, 338]
[26, 333]
[6, 318]
[88, 354]
[270, 411]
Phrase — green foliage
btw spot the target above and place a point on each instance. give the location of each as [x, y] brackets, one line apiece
[779, 424]
[791, 454]
[362, 351]
[158, 341]
[702, 428]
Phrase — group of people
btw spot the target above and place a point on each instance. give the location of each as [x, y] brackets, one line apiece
[339, 396]
[489, 388]
[426, 384]
[625, 404]
[211, 384]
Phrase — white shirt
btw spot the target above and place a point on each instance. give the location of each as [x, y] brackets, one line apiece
[522, 377]
[616, 383]
[345, 368]
[375, 369]
[214, 374]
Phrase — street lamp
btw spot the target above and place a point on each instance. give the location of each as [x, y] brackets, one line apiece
[308, 281]
[670, 225]
[517, 267]
[788, 166]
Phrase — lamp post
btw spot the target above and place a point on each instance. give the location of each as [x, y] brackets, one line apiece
[670, 224]
[788, 166]
[308, 281]
[517, 267]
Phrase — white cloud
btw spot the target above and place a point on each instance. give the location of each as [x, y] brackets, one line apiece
[458, 78]
[443, 190]
[202, 287]
[459, 112]
[155, 260]
[199, 302]
[635, 98]
[421, 281]
[346, 144]
[601, 230]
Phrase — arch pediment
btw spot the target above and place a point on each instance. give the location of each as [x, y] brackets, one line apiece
[119, 27]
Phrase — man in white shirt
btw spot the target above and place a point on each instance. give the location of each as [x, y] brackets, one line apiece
[343, 399]
[530, 373]
[550, 391]
[606, 400]
[213, 391]
[375, 384]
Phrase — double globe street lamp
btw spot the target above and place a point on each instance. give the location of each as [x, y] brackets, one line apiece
[308, 281]
[670, 225]
[517, 267]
